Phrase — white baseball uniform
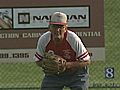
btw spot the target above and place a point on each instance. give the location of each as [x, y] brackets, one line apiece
[70, 49]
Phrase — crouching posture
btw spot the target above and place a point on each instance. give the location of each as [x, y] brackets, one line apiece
[62, 56]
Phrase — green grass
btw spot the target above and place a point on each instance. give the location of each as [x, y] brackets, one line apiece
[28, 75]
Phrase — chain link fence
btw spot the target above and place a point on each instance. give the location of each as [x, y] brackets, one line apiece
[110, 67]
[27, 76]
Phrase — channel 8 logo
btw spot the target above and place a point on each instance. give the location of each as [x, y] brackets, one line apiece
[109, 72]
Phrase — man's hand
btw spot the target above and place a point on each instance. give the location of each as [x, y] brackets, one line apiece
[53, 64]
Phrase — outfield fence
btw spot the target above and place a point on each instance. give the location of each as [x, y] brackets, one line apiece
[104, 75]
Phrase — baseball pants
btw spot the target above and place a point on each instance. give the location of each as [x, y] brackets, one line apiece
[74, 81]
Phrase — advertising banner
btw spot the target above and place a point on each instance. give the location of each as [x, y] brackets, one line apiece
[21, 26]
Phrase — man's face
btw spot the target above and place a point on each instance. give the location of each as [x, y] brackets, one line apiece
[57, 31]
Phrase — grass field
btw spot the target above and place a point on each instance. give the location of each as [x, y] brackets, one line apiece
[27, 75]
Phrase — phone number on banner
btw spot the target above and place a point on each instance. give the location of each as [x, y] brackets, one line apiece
[14, 55]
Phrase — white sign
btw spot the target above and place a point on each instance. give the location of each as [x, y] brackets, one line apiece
[16, 55]
[23, 55]
[39, 17]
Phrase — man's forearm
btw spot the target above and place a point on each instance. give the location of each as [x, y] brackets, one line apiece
[77, 64]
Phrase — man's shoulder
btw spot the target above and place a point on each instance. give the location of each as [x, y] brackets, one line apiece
[72, 34]
[45, 37]
[46, 34]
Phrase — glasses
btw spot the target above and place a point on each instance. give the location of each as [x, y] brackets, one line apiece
[57, 26]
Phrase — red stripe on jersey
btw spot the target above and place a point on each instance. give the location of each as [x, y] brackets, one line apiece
[83, 55]
[38, 56]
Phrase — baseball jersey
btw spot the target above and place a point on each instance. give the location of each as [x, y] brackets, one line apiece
[71, 47]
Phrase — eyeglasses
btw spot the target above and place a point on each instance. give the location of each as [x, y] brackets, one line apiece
[57, 26]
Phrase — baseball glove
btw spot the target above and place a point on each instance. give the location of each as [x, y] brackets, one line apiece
[53, 64]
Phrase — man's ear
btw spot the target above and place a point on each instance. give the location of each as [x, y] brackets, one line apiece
[66, 27]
